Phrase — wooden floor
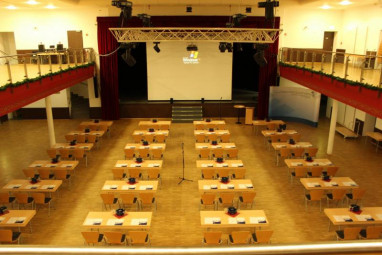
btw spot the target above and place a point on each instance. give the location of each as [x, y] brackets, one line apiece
[177, 222]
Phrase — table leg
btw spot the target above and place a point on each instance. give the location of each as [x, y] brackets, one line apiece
[238, 116]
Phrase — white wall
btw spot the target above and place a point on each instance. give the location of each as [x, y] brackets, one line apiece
[80, 89]
[8, 47]
[59, 99]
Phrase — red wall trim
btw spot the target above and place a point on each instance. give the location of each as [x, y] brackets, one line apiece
[14, 98]
[364, 99]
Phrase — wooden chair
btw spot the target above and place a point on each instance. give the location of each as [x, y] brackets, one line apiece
[239, 237]
[315, 171]
[314, 195]
[296, 137]
[224, 138]
[108, 199]
[238, 173]
[217, 152]
[271, 126]
[129, 153]
[272, 139]
[247, 198]
[208, 199]
[221, 126]
[222, 172]
[336, 195]
[147, 199]
[144, 152]
[232, 153]
[149, 138]
[82, 127]
[135, 173]
[92, 139]
[52, 152]
[81, 138]
[204, 153]
[210, 125]
[118, 173]
[164, 127]
[23, 199]
[208, 173]
[104, 128]
[348, 233]
[199, 126]
[355, 196]
[92, 237]
[45, 174]
[65, 154]
[371, 232]
[297, 152]
[79, 153]
[212, 238]
[5, 199]
[156, 153]
[212, 137]
[283, 154]
[160, 138]
[311, 151]
[139, 238]
[200, 138]
[283, 138]
[153, 174]
[332, 170]
[262, 236]
[93, 127]
[226, 199]
[62, 174]
[137, 138]
[40, 199]
[70, 138]
[114, 237]
[299, 172]
[7, 236]
[29, 172]
[128, 200]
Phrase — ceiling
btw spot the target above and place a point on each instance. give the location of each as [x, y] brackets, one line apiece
[21, 4]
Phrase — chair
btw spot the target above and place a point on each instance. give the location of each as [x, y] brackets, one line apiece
[232, 153]
[332, 170]
[272, 139]
[138, 238]
[221, 126]
[311, 151]
[284, 153]
[82, 127]
[135, 173]
[212, 238]
[45, 174]
[226, 199]
[144, 152]
[40, 199]
[315, 171]
[128, 199]
[199, 126]
[137, 138]
[224, 138]
[217, 152]
[348, 233]
[94, 127]
[147, 199]
[118, 173]
[104, 128]
[62, 174]
[7, 236]
[262, 236]
[29, 172]
[79, 153]
[109, 200]
[204, 153]
[238, 173]
[160, 138]
[314, 195]
[336, 195]
[297, 152]
[156, 153]
[283, 138]
[355, 196]
[65, 154]
[299, 172]
[208, 199]
[212, 137]
[129, 153]
[247, 198]
[296, 137]
[210, 125]
[149, 138]
[92, 237]
[52, 152]
[208, 173]
[70, 138]
[114, 237]
[81, 138]
[371, 232]
[239, 237]
[222, 172]
[23, 199]
[92, 139]
[5, 199]
[200, 138]
[164, 127]
[271, 126]
[153, 174]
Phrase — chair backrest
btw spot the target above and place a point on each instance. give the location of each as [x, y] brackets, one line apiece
[204, 153]
[52, 152]
[4, 198]
[78, 153]
[91, 138]
[103, 128]
[113, 237]
[223, 172]
[212, 137]
[70, 138]
[210, 125]
[358, 193]
[22, 198]
[221, 126]
[138, 237]
[82, 127]
[283, 138]
[208, 198]
[316, 171]
[248, 196]
[298, 152]
[224, 138]
[143, 152]
[232, 152]
[148, 137]
[118, 173]
[137, 138]
[300, 171]
[81, 138]
[164, 127]
[338, 194]
[240, 237]
[373, 232]
[156, 153]
[93, 127]
[134, 173]
[296, 137]
[239, 173]
[107, 198]
[332, 170]
[208, 173]
[351, 233]
[199, 126]
[160, 138]
[227, 198]
[316, 195]
[263, 236]
[212, 237]
[129, 153]
[200, 138]
[274, 138]
[29, 172]
[60, 174]
[312, 151]
[91, 237]
[153, 173]
[39, 198]
[217, 152]
[284, 152]
[146, 198]
[271, 126]
[44, 173]
[64, 153]
[6, 235]
[127, 198]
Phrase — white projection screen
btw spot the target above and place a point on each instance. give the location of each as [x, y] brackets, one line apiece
[175, 73]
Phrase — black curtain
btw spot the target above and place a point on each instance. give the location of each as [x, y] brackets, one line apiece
[245, 71]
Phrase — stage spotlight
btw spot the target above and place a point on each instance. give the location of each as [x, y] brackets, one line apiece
[156, 47]
[125, 6]
[248, 9]
[237, 18]
[189, 9]
[192, 47]
[269, 8]
[126, 56]
[146, 19]
[229, 47]
[259, 55]
[222, 47]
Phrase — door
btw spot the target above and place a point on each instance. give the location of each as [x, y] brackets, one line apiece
[75, 43]
[328, 44]
[358, 127]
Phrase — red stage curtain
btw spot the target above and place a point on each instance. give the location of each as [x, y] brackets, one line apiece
[108, 68]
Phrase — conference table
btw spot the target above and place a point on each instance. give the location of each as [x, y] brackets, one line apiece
[199, 146]
[335, 183]
[376, 136]
[132, 164]
[16, 218]
[98, 133]
[209, 123]
[137, 146]
[21, 185]
[214, 164]
[154, 133]
[99, 123]
[67, 164]
[277, 146]
[268, 133]
[146, 124]
[218, 132]
[345, 217]
[85, 146]
[216, 186]
[244, 219]
[263, 123]
[292, 163]
[117, 187]
[109, 220]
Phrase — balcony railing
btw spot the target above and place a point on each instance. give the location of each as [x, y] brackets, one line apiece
[17, 69]
[366, 69]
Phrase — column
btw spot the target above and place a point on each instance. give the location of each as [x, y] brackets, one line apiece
[49, 118]
[332, 130]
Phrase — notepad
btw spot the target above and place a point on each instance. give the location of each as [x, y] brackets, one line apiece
[19, 220]
[330, 184]
[48, 186]
[313, 184]
[255, 220]
[121, 165]
[364, 217]
[206, 187]
[50, 165]
[115, 222]
[32, 186]
[349, 184]
[214, 186]
[93, 221]
[132, 186]
[223, 186]
[296, 164]
[249, 186]
[342, 218]
[242, 186]
[66, 165]
[230, 186]
[208, 220]
[280, 146]
[240, 220]
[35, 165]
[232, 220]
[149, 187]
[136, 222]
[156, 165]
[14, 186]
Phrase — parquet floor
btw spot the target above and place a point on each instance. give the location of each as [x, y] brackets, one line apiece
[177, 222]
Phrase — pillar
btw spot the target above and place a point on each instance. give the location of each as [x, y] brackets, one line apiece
[332, 129]
[49, 118]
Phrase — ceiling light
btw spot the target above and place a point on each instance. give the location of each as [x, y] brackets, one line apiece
[345, 2]
[229, 47]
[32, 2]
[50, 6]
[11, 7]
[325, 7]
[156, 47]
[192, 47]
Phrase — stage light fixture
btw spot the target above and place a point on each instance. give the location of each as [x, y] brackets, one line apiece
[156, 47]
[237, 18]
[188, 8]
[222, 47]
[192, 47]
[248, 9]
[229, 47]
[259, 55]
[146, 19]
[269, 6]
[125, 6]
[126, 56]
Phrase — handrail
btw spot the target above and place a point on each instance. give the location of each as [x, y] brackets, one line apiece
[311, 248]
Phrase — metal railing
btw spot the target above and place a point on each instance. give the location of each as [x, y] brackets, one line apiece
[20, 67]
[365, 69]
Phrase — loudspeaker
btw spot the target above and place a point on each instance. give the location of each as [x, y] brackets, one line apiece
[171, 100]
[95, 84]
[202, 100]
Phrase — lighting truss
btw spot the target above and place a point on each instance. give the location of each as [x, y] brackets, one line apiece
[190, 34]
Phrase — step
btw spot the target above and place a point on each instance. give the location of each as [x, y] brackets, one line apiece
[186, 111]
[188, 117]
[184, 120]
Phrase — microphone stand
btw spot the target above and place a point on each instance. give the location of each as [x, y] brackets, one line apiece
[220, 108]
[182, 178]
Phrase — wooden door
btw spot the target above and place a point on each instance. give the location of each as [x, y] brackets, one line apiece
[328, 44]
[75, 42]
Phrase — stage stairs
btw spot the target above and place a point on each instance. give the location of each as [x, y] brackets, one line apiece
[186, 114]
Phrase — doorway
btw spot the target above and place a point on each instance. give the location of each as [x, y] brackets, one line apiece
[328, 44]
[75, 42]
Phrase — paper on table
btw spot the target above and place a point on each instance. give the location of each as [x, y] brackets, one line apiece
[240, 220]
[32, 186]
[106, 187]
[48, 186]
[312, 184]
[223, 186]
[121, 165]
[208, 220]
[206, 187]
[296, 164]
[125, 187]
[136, 222]
[242, 186]
[2, 218]
[364, 217]
[13, 186]
[66, 165]
[150, 165]
[142, 187]
[156, 165]
[232, 220]
[149, 186]
[255, 220]
[35, 165]
[13, 220]
[112, 222]
[93, 221]
[349, 184]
